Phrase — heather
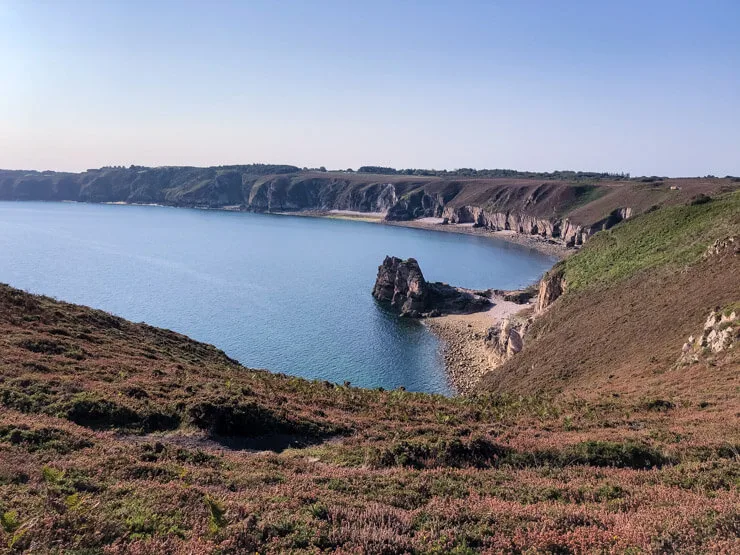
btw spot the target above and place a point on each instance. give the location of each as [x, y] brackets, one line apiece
[122, 438]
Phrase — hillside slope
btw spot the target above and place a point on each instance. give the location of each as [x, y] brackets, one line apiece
[122, 438]
[564, 210]
[634, 294]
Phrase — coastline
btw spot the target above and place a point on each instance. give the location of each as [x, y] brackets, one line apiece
[544, 246]
[535, 242]
[467, 358]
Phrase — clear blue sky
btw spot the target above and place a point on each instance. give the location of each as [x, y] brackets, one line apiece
[647, 87]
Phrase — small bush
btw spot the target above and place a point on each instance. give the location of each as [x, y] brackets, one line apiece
[216, 515]
[233, 418]
[42, 439]
[607, 453]
[9, 521]
[660, 405]
[93, 412]
[44, 346]
[701, 198]
[455, 453]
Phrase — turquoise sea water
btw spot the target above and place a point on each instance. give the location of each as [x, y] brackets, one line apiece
[290, 294]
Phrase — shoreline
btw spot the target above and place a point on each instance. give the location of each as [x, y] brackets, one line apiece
[466, 357]
[535, 242]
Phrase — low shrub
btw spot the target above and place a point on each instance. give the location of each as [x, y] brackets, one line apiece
[94, 412]
[455, 453]
[42, 439]
[608, 453]
[231, 417]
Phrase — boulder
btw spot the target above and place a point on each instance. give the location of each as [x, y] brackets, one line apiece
[720, 333]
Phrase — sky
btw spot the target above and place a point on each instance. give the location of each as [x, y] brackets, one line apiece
[645, 87]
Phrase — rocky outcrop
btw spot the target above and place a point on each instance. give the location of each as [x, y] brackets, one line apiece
[518, 296]
[720, 333]
[721, 247]
[401, 284]
[506, 339]
[551, 287]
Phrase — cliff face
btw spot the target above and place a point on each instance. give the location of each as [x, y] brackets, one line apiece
[506, 339]
[557, 210]
[401, 284]
[552, 285]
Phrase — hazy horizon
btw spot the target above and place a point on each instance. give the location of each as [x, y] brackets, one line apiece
[633, 87]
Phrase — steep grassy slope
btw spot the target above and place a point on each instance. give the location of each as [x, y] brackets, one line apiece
[634, 295]
[549, 205]
[130, 439]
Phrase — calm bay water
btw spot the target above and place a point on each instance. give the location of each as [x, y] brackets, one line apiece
[290, 294]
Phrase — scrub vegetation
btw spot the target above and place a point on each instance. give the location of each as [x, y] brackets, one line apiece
[118, 437]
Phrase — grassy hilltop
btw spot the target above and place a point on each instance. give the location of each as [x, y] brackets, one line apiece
[123, 438]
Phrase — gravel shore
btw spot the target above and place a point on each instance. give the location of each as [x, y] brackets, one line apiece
[466, 356]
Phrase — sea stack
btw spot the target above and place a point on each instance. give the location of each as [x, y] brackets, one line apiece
[401, 284]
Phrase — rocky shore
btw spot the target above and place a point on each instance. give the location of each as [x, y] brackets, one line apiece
[541, 244]
[466, 350]
[479, 329]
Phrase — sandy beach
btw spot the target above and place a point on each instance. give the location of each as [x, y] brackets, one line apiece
[466, 356]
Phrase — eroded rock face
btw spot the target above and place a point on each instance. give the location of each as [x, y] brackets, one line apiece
[401, 284]
[551, 287]
[506, 339]
[560, 230]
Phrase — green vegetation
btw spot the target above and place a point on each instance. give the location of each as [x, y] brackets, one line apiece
[582, 195]
[672, 236]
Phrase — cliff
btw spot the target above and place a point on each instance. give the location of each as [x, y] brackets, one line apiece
[550, 206]
[402, 286]
[551, 287]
